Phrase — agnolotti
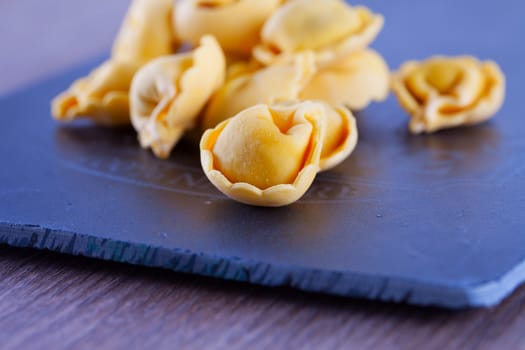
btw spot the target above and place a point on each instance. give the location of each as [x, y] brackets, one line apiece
[102, 96]
[168, 93]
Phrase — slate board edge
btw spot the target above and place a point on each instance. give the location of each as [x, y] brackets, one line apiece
[339, 283]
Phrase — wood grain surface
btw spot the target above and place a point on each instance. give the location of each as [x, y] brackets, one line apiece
[51, 301]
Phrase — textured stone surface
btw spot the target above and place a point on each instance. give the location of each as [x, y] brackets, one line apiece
[431, 219]
[427, 220]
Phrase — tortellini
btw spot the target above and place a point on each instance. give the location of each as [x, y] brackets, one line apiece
[330, 28]
[102, 96]
[247, 86]
[235, 23]
[265, 155]
[444, 92]
[354, 80]
[273, 83]
[146, 33]
[168, 93]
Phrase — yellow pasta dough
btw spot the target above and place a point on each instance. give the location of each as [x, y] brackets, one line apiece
[102, 96]
[247, 87]
[354, 80]
[265, 155]
[340, 137]
[146, 32]
[330, 28]
[444, 92]
[235, 23]
[168, 93]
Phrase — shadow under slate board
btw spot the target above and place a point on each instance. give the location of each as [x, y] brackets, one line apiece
[428, 220]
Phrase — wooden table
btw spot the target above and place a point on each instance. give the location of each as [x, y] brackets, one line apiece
[52, 301]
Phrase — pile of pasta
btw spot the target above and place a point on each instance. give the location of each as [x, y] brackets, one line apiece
[271, 85]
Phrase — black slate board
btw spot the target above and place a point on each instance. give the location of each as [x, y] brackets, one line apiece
[423, 219]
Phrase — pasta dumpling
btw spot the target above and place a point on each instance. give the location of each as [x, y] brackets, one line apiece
[355, 81]
[103, 95]
[247, 87]
[235, 23]
[265, 155]
[146, 32]
[444, 92]
[330, 28]
[168, 93]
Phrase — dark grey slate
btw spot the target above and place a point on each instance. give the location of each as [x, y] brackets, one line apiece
[428, 220]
